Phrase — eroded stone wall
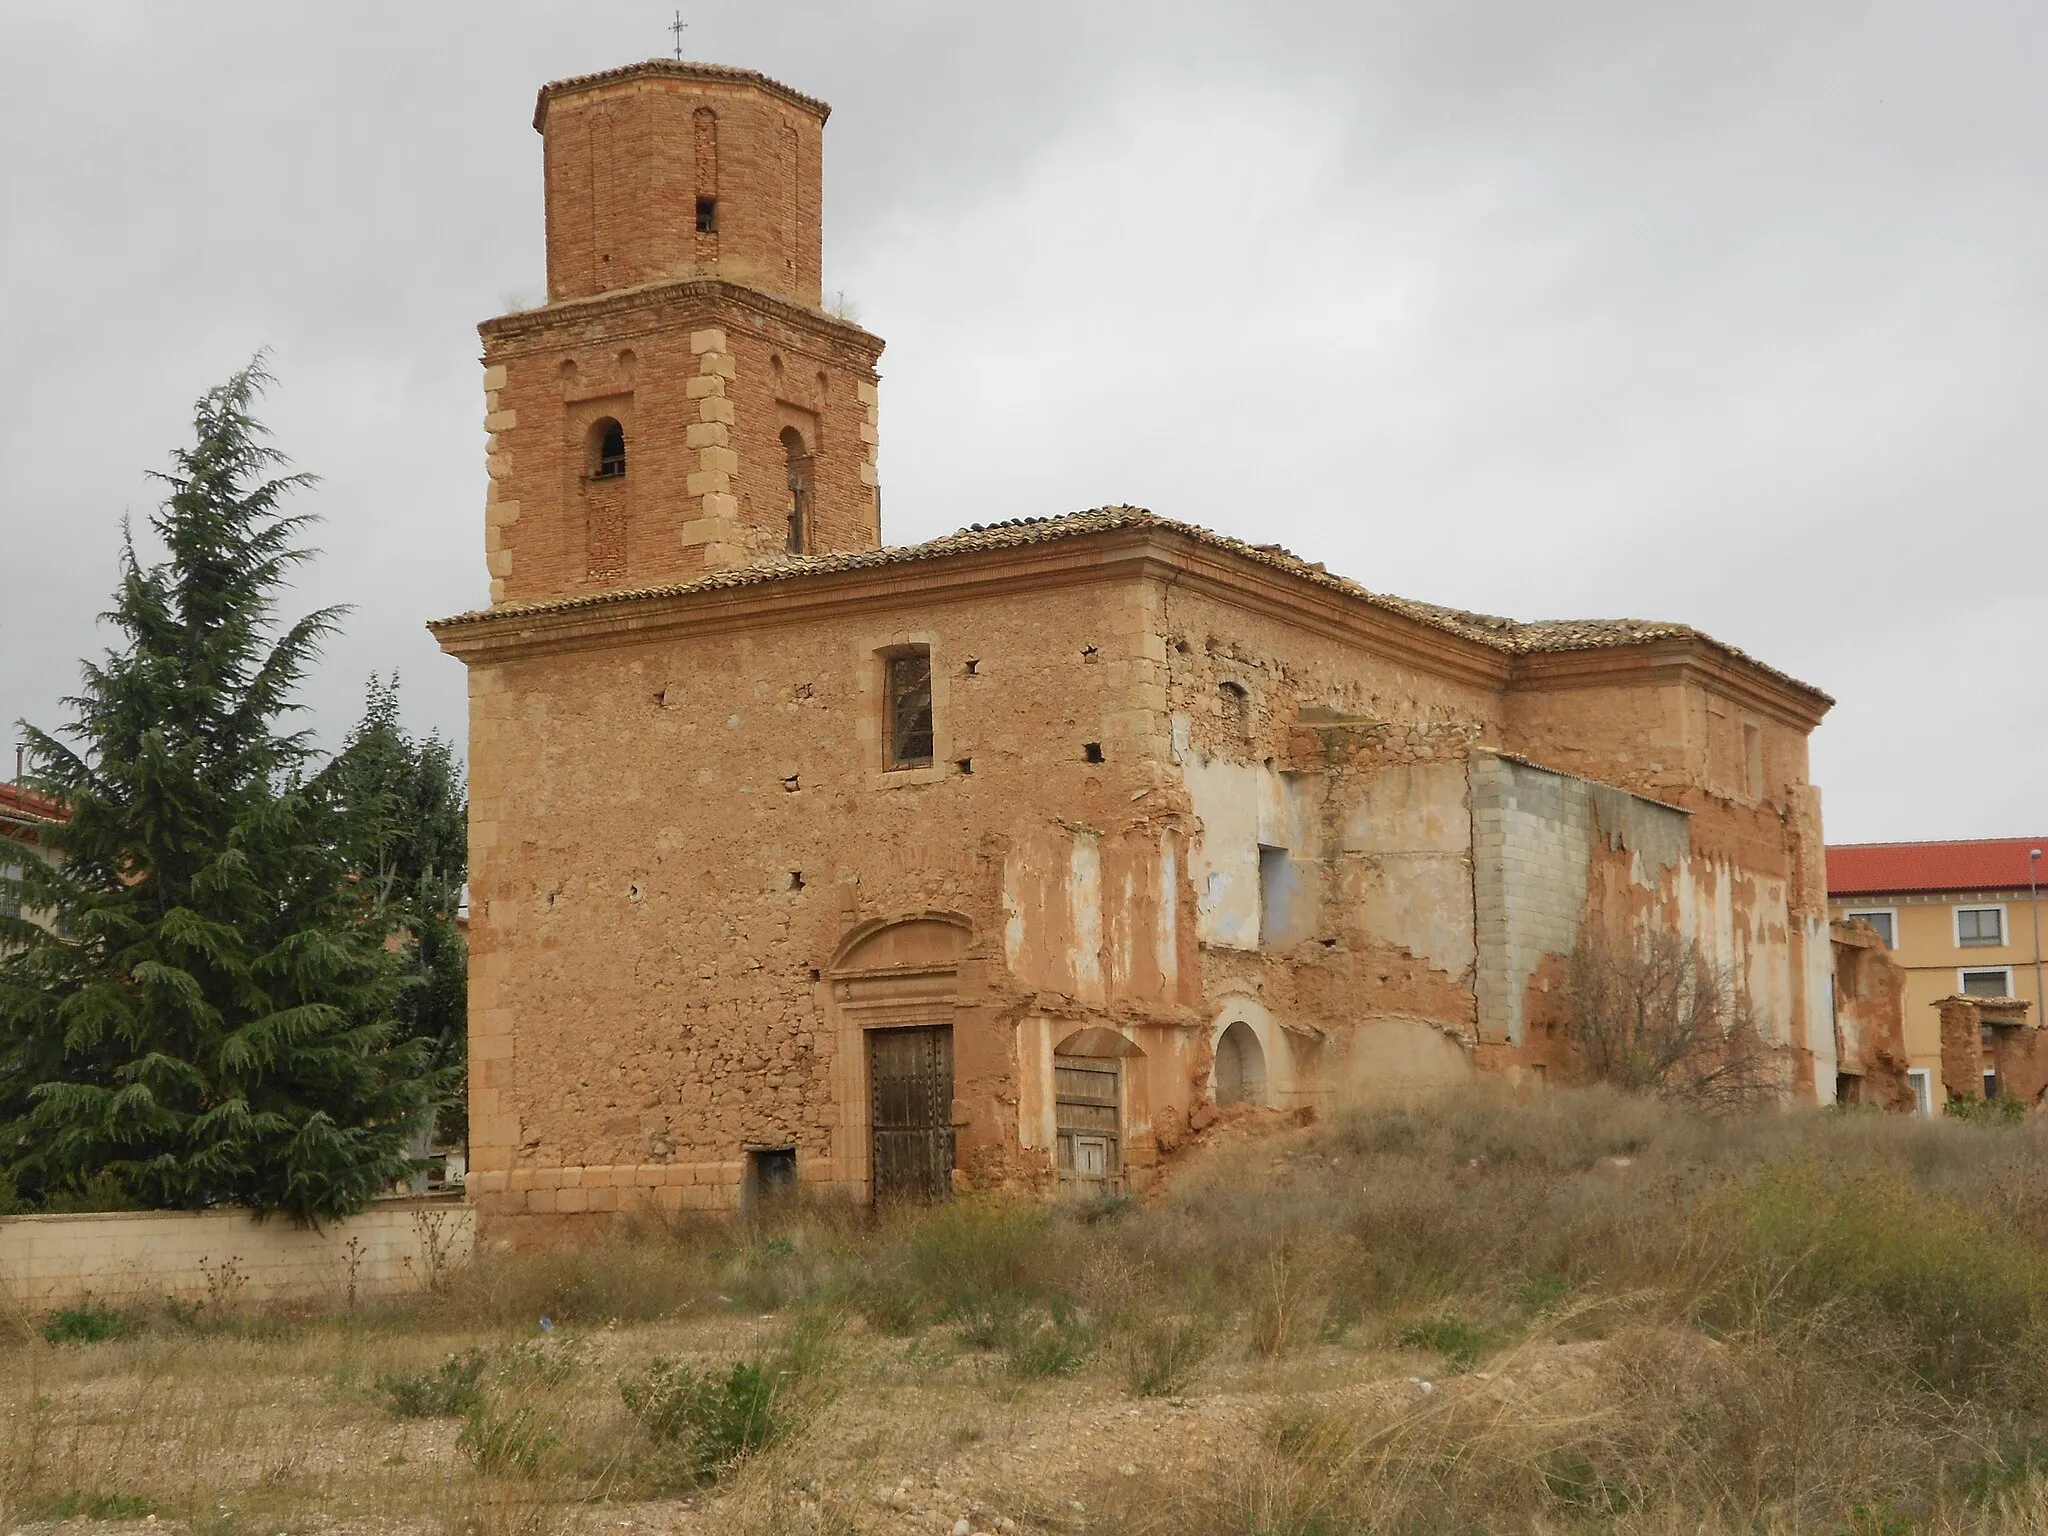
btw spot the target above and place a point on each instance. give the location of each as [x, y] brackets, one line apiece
[1151, 816]
[703, 380]
[672, 841]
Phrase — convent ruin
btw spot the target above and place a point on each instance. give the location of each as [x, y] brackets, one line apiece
[991, 861]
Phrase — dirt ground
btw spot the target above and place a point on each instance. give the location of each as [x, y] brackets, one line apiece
[230, 1433]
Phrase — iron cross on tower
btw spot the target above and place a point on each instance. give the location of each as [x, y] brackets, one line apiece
[679, 27]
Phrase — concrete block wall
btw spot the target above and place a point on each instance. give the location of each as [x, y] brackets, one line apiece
[1532, 846]
[1533, 841]
[227, 1258]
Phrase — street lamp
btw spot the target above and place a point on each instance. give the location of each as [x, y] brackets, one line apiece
[2034, 900]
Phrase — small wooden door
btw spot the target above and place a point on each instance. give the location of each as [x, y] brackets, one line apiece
[1088, 1113]
[911, 1076]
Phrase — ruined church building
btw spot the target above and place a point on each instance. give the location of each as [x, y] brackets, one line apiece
[990, 861]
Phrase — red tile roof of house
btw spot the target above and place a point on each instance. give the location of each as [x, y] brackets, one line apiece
[1989, 864]
[27, 805]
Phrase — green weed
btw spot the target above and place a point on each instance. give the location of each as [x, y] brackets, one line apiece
[88, 1322]
[452, 1391]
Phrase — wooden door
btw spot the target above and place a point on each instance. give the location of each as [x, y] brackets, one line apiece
[1088, 1113]
[911, 1076]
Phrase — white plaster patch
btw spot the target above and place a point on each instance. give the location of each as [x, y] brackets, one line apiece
[1084, 907]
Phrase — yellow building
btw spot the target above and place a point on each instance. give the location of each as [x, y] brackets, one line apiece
[25, 817]
[1960, 919]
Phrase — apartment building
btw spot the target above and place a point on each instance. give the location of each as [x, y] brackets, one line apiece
[1962, 919]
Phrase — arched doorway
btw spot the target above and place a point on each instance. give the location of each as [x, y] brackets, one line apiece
[1240, 1076]
[894, 983]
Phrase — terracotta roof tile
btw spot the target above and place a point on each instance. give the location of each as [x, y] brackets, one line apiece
[1501, 634]
[1881, 869]
[21, 804]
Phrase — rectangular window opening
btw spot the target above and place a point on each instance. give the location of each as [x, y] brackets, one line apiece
[1881, 921]
[707, 215]
[1996, 983]
[1980, 927]
[771, 1173]
[1921, 1080]
[1091, 751]
[907, 715]
[1279, 890]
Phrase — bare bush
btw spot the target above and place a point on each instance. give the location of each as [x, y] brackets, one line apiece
[1657, 1016]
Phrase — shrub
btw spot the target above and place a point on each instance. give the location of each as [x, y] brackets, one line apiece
[1053, 1346]
[97, 1506]
[1458, 1342]
[718, 1420]
[958, 1259]
[1968, 1293]
[452, 1391]
[507, 1442]
[2003, 1110]
[1658, 1016]
[1160, 1356]
[89, 1322]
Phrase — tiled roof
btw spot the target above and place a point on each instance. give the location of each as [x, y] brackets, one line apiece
[1883, 869]
[678, 69]
[1509, 635]
[20, 804]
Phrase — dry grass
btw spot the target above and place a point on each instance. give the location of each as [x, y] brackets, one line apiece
[1587, 1312]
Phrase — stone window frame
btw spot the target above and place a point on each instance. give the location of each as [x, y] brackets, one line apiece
[874, 651]
[1956, 925]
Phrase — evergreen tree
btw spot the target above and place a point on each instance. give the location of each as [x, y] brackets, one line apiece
[211, 1022]
[403, 822]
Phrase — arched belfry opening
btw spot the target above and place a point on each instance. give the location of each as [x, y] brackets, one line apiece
[1240, 1076]
[797, 462]
[607, 450]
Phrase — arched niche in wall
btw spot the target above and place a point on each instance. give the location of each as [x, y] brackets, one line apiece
[1256, 1060]
[1240, 1073]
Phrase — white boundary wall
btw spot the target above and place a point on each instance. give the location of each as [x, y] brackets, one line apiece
[226, 1258]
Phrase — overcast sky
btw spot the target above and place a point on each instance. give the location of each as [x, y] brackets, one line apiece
[1735, 314]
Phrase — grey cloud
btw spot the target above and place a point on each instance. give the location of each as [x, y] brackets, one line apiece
[1732, 314]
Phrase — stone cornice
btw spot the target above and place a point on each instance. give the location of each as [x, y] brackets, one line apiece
[526, 323]
[1497, 655]
[674, 69]
[1130, 553]
[1691, 658]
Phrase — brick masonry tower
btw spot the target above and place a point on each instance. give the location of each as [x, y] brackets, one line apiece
[681, 404]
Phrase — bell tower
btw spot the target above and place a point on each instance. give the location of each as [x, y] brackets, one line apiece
[681, 403]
